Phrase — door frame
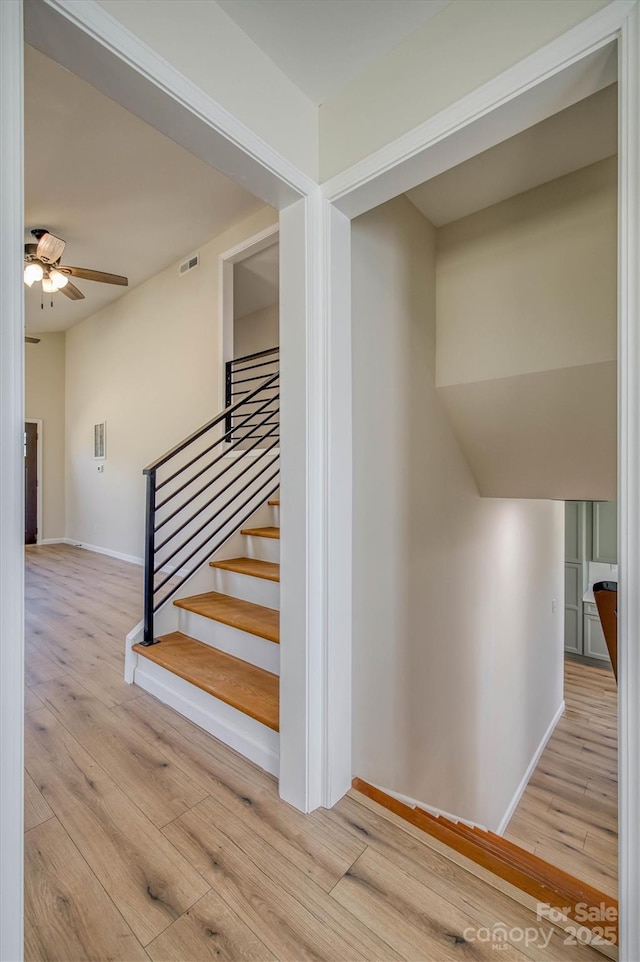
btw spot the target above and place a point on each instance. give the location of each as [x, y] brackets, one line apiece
[99, 49]
[492, 112]
[226, 262]
[316, 374]
[38, 422]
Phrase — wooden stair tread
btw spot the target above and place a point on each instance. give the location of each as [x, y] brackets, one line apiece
[267, 532]
[268, 570]
[251, 690]
[274, 502]
[527, 872]
[256, 619]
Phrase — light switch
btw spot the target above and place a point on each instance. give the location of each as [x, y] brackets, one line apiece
[100, 468]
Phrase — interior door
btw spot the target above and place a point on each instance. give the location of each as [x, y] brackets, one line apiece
[30, 483]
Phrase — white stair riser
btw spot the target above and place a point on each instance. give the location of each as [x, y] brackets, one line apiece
[257, 590]
[257, 651]
[266, 549]
[244, 734]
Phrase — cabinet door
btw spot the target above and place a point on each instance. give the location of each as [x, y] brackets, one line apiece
[572, 531]
[573, 608]
[605, 532]
[594, 644]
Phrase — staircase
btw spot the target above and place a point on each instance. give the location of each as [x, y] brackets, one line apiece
[535, 880]
[209, 643]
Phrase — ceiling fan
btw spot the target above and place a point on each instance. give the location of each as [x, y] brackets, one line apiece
[42, 263]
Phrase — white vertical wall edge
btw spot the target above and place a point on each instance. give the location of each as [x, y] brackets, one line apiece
[407, 162]
[11, 483]
[338, 770]
[302, 537]
[629, 486]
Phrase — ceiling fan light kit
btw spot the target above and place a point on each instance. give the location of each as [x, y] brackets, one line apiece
[42, 263]
[33, 272]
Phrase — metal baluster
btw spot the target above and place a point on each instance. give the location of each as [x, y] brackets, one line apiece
[149, 557]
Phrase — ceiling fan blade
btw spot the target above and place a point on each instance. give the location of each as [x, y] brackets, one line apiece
[32, 340]
[72, 292]
[89, 275]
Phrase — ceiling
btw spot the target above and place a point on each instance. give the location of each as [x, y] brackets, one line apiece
[256, 282]
[125, 198]
[581, 135]
[323, 44]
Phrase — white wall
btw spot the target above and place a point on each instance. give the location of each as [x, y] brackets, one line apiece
[462, 47]
[526, 310]
[457, 659]
[529, 284]
[150, 365]
[256, 332]
[44, 400]
[200, 40]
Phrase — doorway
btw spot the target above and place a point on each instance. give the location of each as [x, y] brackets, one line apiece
[32, 481]
[250, 311]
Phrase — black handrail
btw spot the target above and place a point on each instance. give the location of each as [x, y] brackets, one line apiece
[240, 365]
[245, 485]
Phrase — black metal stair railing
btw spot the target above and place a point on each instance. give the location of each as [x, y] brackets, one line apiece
[202, 490]
[242, 373]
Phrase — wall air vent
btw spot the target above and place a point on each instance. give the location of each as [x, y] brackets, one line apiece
[189, 265]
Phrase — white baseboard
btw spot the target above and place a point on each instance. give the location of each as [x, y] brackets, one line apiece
[54, 541]
[232, 727]
[132, 559]
[519, 792]
[416, 803]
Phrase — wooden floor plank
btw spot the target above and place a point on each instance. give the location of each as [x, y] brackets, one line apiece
[36, 809]
[31, 700]
[421, 922]
[288, 928]
[244, 615]
[470, 893]
[143, 772]
[149, 881]
[209, 825]
[209, 930]
[578, 773]
[251, 794]
[68, 915]
[251, 690]
[122, 883]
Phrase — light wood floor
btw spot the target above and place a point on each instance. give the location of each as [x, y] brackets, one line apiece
[146, 838]
[568, 813]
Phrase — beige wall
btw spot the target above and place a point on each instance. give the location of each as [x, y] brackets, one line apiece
[462, 47]
[256, 332]
[530, 284]
[44, 400]
[526, 338]
[457, 660]
[200, 40]
[149, 364]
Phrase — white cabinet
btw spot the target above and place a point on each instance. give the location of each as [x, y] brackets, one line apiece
[605, 532]
[573, 591]
[590, 535]
[594, 644]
